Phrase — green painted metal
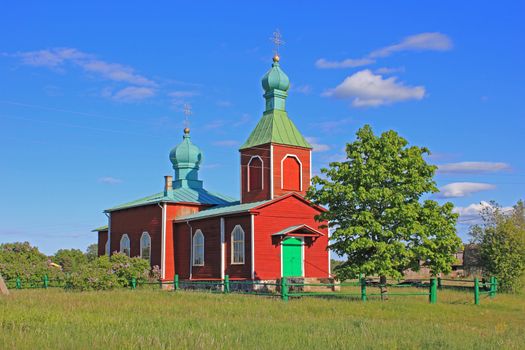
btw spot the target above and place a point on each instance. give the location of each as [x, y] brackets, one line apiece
[495, 285]
[45, 280]
[363, 289]
[275, 84]
[226, 284]
[176, 282]
[186, 159]
[133, 283]
[433, 291]
[292, 252]
[18, 283]
[178, 195]
[476, 291]
[275, 127]
[284, 289]
[101, 228]
[222, 210]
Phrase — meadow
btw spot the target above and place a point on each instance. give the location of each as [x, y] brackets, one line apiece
[155, 319]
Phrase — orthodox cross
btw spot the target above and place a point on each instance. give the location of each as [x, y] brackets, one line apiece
[187, 114]
[277, 41]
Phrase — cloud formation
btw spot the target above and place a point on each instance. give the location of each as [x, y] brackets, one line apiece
[367, 89]
[318, 147]
[430, 41]
[463, 189]
[59, 59]
[471, 214]
[473, 167]
[109, 180]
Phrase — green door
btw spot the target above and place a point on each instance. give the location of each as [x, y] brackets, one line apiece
[292, 249]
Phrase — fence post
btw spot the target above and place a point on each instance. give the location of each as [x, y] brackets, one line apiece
[18, 283]
[491, 287]
[46, 281]
[176, 282]
[433, 291]
[284, 289]
[495, 285]
[476, 291]
[363, 289]
[160, 283]
[226, 284]
[133, 283]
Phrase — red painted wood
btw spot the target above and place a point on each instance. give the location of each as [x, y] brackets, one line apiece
[102, 239]
[255, 172]
[254, 195]
[275, 217]
[291, 174]
[236, 270]
[133, 222]
[280, 153]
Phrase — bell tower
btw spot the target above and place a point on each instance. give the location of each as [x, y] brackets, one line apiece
[276, 158]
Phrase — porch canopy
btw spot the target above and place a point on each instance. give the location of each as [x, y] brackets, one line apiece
[298, 231]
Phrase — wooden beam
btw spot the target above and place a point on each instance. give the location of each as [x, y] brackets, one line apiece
[3, 287]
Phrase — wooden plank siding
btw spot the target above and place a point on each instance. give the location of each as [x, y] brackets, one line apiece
[262, 151]
[279, 153]
[102, 240]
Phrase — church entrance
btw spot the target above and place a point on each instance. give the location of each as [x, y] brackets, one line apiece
[292, 255]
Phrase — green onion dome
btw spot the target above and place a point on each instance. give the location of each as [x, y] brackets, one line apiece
[275, 78]
[186, 155]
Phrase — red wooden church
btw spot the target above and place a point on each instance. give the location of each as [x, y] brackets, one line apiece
[198, 234]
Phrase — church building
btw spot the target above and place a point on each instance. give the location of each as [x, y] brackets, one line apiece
[203, 235]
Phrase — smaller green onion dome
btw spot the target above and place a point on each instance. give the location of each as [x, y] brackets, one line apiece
[275, 78]
[186, 154]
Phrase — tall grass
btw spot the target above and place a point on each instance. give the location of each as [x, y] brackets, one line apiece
[154, 319]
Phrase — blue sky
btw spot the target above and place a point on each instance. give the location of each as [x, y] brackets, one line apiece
[91, 97]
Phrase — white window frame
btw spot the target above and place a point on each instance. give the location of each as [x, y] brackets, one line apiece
[238, 228]
[126, 237]
[248, 172]
[300, 171]
[145, 234]
[197, 234]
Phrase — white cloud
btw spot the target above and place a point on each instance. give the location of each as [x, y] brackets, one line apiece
[347, 63]
[470, 215]
[132, 93]
[302, 89]
[331, 125]
[182, 94]
[418, 42]
[389, 70]
[318, 147]
[368, 89]
[462, 189]
[109, 180]
[114, 72]
[473, 167]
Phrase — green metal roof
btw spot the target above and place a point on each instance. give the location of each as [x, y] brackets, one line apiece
[101, 228]
[177, 195]
[276, 127]
[221, 211]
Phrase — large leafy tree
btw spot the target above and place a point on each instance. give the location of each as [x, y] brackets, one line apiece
[380, 222]
[501, 242]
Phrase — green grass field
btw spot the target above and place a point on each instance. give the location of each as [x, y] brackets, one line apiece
[154, 319]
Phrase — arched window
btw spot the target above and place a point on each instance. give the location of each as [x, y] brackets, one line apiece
[237, 241]
[291, 173]
[145, 246]
[125, 245]
[255, 174]
[198, 248]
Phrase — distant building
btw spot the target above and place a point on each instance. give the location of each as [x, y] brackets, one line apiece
[198, 234]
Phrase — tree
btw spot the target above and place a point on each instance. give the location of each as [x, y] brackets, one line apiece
[501, 240]
[70, 259]
[374, 200]
[92, 252]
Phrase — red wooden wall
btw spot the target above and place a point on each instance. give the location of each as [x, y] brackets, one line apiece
[102, 239]
[290, 177]
[255, 195]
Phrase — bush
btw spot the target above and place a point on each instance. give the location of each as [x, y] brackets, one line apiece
[70, 259]
[110, 272]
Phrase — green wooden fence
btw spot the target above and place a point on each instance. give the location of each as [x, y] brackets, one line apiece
[286, 290]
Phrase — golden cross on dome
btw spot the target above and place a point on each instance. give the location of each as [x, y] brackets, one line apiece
[187, 114]
[277, 41]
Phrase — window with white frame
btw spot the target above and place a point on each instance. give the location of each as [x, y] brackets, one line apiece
[198, 248]
[145, 246]
[237, 239]
[125, 245]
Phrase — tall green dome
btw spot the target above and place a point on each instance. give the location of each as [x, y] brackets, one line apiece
[186, 159]
[275, 84]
